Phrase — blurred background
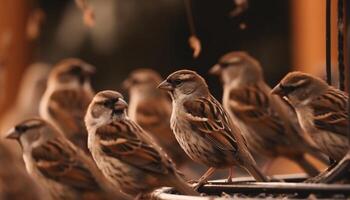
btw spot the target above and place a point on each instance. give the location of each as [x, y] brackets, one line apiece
[283, 35]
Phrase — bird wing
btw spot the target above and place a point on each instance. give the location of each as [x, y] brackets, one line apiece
[253, 106]
[330, 112]
[124, 140]
[58, 161]
[208, 119]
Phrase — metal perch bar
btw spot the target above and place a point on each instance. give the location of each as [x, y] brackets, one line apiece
[341, 27]
[245, 186]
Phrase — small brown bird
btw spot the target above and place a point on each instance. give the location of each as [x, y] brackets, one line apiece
[124, 152]
[67, 97]
[264, 119]
[60, 167]
[15, 184]
[202, 127]
[151, 109]
[321, 109]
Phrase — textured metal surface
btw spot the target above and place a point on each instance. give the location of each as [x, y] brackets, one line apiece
[244, 188]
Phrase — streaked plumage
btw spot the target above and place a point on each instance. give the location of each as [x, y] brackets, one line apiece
[124, 152]
[202, 127]
[321, 109]
[269, 125]
[60, 167]
[151, 109]
[67, 97]
[15, 184]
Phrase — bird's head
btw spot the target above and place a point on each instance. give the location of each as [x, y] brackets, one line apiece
[185, 84]
[106, 107]
[71, 72]
[31, 133]
[237, 66]
[142, 81]
[300, 87]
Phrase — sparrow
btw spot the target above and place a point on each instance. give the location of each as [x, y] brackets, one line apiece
[203, 128]
[321, 110]
[125, 153]
[15, 184]
[151, 109]
[67, 97]
[58, 165]
[26, 104]
[268, 124]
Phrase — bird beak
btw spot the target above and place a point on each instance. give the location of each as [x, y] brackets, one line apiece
[12, 134]
[165, 85]
[277, 90]
[120, 105]
[215, 70]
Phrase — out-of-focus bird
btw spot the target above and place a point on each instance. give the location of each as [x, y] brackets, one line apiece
[26, 105]
[151, 109]
[31, 89]
[15, 184]
[203, 129]
[269, 125]
[124, 152]
[321, 109]
[67, 97]
[60, 167]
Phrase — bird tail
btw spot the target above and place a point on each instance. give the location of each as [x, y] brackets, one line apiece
[310, 169]
[181, 186]
[256, 173]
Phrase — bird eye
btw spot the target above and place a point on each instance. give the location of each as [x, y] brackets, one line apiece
[76, 70]
[109, 103]
[177, 82]
[135, 81]
[21, 128]
[224, 64]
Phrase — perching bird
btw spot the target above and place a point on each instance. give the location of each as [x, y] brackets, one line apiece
[204, 129]
[264, 119]
[321, 109]
[124, 152]
[31, 89]
[15, 184]
[59, 166]
[67, 97]
[151, 109]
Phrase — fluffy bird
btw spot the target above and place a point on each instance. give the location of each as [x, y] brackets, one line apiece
[15, 184]
[124, 152]
[67, 97]
[203, 128]
[321, 110]
[269, 125]
[60, 167]
[151, 109]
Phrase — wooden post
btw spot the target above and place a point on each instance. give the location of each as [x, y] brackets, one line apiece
[308, 35]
